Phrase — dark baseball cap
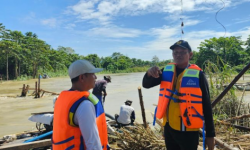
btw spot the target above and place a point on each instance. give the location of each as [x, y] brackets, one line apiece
[181, 43]
[129, 102]
[107, 78]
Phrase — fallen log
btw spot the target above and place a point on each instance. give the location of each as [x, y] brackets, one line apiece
[235, 126]
[222, 144]
[238, 117]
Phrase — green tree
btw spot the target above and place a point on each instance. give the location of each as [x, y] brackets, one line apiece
[155, 60]
[94, 59]
[17, 37]
[7, 48]
[229, 49]
[67, 50]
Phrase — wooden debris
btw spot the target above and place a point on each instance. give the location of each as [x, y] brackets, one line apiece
[139, 138]
[24, 90]
[142, 108]
[27, 146]
[53, 93]
[238, 117]
[223, 145]
[235, 126]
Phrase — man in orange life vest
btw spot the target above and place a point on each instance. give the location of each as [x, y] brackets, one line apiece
[184, 100]
[79, 118]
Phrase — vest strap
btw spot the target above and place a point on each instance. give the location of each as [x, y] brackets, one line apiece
[71, 147]
[175, 92]
[64, 141]
[175, 99]
[197, 115]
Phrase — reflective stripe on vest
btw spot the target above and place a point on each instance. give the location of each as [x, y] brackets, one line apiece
[66, 134]
[166, 83]
[188, 97]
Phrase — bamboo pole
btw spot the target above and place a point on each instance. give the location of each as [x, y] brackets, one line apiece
[38, 92]
[245, 119]
[237, 112]
[230, 85]
[26, 89]
[142, 108]
[23, 91]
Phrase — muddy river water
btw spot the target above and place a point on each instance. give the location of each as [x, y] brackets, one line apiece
[15, 111]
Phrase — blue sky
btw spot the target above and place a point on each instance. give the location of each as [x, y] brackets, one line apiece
[136, 28]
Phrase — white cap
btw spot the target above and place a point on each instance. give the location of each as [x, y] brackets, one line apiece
[80, 67]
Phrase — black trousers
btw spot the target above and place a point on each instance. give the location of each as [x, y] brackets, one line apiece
[179, 140]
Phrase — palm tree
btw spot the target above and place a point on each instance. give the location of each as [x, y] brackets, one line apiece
[17, 36]
[7, 47]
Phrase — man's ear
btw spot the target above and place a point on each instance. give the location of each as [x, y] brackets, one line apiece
[191, 55]
[82, 77]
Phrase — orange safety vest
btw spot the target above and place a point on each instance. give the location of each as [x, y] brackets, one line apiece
[189, 95]
[66, 134]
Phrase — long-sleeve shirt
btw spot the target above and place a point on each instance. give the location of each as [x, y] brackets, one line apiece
[149, 82]
[85, 117]
[100, 86]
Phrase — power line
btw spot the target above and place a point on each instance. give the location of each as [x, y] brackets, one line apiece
[217, 19]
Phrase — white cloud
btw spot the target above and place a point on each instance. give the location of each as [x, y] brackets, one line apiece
[70, 26]
[105, 10]
[166, 36]
[114, 32]
[31, 18]
[51, 22]
[242, 20]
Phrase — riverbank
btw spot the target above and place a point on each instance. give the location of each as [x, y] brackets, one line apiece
[64, 73]
[17, 110]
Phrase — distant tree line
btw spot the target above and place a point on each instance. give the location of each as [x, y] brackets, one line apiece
[27, 55]
[229, 50]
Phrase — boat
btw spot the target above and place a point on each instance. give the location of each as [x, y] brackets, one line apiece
[41, 138]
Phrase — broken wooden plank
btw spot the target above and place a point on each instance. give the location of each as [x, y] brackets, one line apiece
[25, 146]
[53, 93]
[49, 112]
